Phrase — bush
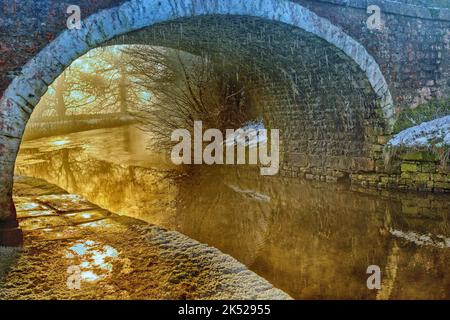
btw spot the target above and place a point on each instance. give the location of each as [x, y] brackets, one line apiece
[185, 88]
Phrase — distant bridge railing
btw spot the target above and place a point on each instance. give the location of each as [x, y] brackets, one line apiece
[50, 126]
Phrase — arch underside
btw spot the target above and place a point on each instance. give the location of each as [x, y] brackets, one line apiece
[328, 99]
[322, 102]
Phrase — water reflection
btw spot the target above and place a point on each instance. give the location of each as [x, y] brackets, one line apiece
[312, 240]
[93, 259]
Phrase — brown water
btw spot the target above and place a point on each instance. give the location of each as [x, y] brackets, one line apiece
[313, 240]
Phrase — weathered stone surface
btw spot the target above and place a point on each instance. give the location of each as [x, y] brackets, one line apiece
[409, 167]
[87, 216]
[419, 156]
[66, 202]
[412, 49]
[419, 173]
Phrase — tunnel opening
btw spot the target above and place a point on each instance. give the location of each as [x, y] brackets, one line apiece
[329, 102]
[318, 105]
[325, 106]
[319, 98]
[25, 91]
[302, 81]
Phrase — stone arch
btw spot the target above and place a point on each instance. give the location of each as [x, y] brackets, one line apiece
[26, 89]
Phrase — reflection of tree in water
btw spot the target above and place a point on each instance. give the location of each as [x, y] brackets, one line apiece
[65, 166]
[124, 189]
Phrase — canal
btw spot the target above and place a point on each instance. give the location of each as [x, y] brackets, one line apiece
[311, 239]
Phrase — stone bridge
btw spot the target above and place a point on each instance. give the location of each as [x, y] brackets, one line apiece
[332, 85]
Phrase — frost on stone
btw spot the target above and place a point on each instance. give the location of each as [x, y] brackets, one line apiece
[432, 136]
[248, 135]
[434, 133]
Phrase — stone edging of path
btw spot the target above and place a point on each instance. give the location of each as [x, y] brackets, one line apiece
[119, 257]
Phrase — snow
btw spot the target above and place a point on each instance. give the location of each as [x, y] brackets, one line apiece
[435, 133]
[248, 135]
[438, 241]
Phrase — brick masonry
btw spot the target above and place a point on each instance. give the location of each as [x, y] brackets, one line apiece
[413, 49]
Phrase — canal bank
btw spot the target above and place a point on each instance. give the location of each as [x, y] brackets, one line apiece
[75, 250]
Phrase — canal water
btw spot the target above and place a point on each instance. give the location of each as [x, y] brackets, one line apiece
[311, 239]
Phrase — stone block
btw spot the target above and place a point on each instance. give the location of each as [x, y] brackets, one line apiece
[442, 185]
[419, 156]
[377, 148]
[422, 177]
[383, 139]
[410, 210]
[405, 175]
[429, 167]
[439, 177]
[409, 167]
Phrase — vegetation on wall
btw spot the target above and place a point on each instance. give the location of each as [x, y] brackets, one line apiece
[425, 112]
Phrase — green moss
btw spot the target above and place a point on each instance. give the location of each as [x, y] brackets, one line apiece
[428, 167]
[422, 177]
[410, 210]
[425, 112]
[419, 156]
[439, 177]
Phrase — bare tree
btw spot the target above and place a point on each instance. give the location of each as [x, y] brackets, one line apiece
[185, 88]
[98, 82]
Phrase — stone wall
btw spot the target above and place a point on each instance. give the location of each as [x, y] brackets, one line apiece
[412, 49]
[26, 27]
[420, 171]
